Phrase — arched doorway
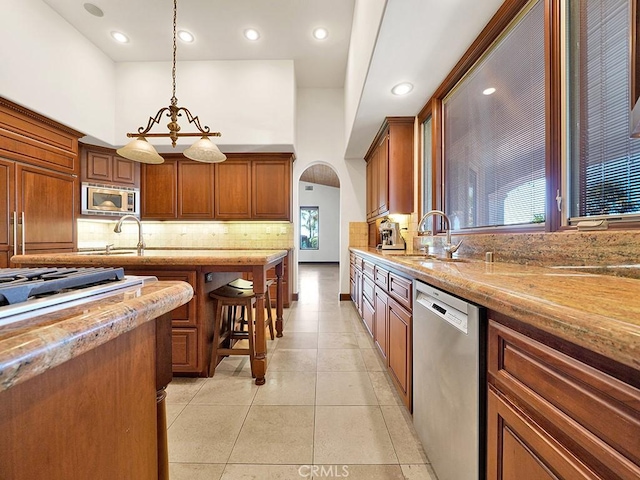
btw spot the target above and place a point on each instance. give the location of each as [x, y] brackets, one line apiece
[319, 215]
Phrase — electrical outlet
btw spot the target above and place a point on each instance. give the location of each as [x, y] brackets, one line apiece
[268, 230]
[225, 230]
[208, 277]
[283, 230]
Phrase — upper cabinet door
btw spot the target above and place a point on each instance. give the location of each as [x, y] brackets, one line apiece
[271, 190]
[125, 171]
[195, 190]
[98, 167]
[159, 192]
[233, 190]
[102, 165]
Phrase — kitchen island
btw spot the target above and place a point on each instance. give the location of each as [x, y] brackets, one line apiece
[82, 386]
[205, 270]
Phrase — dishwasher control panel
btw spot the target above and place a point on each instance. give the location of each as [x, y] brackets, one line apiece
[442, 308]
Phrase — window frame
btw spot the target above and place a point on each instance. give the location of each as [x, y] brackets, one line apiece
[556, 151]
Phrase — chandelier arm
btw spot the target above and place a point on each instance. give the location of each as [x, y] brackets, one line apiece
[195, 120]
[152, 121]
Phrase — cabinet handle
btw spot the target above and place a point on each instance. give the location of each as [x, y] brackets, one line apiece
[24, 227]
[15, 233]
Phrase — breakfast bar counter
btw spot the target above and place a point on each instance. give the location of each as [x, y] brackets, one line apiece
[205, 270]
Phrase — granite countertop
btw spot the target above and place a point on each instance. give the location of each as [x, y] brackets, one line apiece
[30, 347]
[123, 258]
[598, 312]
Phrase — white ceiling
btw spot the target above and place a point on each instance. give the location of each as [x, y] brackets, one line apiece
[419, 41]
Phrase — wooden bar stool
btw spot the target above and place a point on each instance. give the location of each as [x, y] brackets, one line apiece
[232, 297]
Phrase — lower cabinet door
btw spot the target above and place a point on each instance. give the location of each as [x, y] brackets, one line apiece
[368, 314]
[381, 321]
[518, 449]
[399, 352]
[184, 349]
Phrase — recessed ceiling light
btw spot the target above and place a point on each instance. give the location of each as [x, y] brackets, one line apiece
[120, 37]
[186, 36]
[320, 33]
[93, 10]
[402, 88]
[488, 91]
[251, 34]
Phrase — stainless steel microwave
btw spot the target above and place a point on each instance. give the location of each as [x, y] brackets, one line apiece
[109, 200]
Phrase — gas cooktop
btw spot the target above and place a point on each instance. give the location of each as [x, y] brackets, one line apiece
[24, 292]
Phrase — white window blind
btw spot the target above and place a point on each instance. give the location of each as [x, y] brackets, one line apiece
[494, 144]
[605, 162]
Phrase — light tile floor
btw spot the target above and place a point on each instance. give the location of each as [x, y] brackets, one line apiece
[328, 409]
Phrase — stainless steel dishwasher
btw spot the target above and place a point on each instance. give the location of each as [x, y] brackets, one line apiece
[449, 383]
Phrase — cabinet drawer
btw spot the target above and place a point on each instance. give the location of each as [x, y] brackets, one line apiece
[368, 269]
[400, 288]
[381, 277]
[184, 349]
[368, 289]
[594, 413]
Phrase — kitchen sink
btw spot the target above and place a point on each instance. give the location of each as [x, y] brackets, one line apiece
[431, 258]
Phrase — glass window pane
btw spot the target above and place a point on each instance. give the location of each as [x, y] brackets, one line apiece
[605, 162]
[309, 228]
[494, 132]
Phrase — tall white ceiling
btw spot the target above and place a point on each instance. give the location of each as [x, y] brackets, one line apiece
[417, 41]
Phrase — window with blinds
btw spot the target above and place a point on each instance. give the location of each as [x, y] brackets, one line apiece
[494, 132]
[605, 162]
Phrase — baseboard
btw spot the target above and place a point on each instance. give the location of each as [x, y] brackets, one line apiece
[319, 263]
[344, 297]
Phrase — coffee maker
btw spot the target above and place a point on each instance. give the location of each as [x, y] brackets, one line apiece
[391, 238]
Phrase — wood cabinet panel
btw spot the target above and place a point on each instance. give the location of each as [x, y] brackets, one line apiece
[233, 190]
[7, 203]
[520, 450]
[184, 349]
[381, 277]
[368, 314]
[271, 189]
[99, 167]
[401, 289]
[159, 190]
[381, 328]
[104, 166]
[195, 190]
[399, 353]
[592, 415]
[125, 171]
[390, 169]
[48, 200]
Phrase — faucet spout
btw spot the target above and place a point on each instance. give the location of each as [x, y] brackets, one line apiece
[449, 248]
[118, 229]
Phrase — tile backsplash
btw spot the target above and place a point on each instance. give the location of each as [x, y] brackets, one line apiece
[242, 235]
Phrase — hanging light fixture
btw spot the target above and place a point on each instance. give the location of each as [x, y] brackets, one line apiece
[204, 150]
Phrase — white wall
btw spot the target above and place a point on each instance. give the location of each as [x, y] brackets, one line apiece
[49, 67]
[249, 102]
[367, 17]
[320, 139]
[327, 199]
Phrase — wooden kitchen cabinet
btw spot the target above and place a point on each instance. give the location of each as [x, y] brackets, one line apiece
[271, 189]
[381, 328]
[38, 182]
[159, 191]
[554, 411]
[244, 187]
[195, 190]
[233, 189]
[399, 353]
[104, 166]
[390, 169]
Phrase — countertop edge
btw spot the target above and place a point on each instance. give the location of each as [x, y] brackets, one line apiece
[30, 353]
[609, 337]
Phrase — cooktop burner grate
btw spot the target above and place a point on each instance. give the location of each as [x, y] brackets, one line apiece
[17, 285]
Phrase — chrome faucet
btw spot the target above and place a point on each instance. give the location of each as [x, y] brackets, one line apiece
[118, 229]
[449, 248]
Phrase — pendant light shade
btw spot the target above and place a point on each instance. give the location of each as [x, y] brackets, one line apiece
[204, 150]
[139, 150]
